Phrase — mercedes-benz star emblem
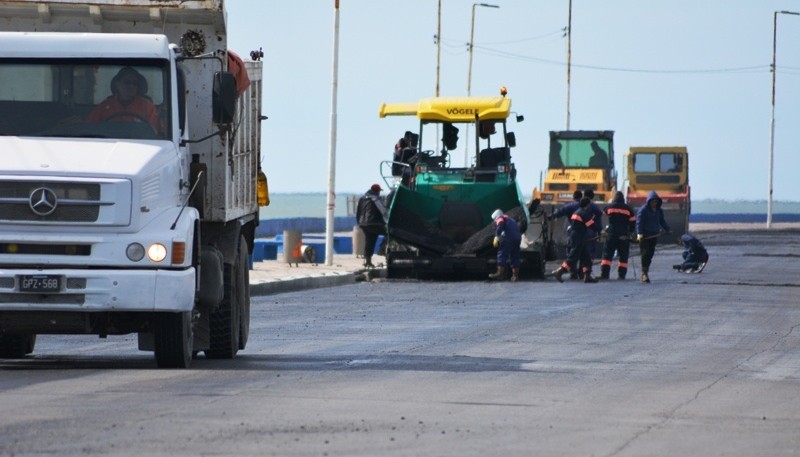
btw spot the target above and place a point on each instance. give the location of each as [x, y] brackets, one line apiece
[43, 201]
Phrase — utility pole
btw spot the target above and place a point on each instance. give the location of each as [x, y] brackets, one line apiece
[772, 119]
[569, 56]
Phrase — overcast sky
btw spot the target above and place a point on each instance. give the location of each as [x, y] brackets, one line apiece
[692, 73]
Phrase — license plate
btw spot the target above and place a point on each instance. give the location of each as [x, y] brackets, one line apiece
[40, 283]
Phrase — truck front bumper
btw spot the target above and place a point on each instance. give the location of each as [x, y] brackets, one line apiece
[96, 290]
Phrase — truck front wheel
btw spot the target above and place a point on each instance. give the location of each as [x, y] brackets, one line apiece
[16, 346]
[174, 339]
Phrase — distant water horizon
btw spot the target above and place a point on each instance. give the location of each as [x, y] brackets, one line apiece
[314, 204]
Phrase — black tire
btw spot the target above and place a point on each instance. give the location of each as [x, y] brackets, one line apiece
[226, 320]
[174, 340]
[16, 346]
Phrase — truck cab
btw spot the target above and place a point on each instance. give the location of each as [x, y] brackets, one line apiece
[128, 195]
[578, 160]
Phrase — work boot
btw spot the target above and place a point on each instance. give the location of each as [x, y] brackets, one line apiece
[677, 267]
[558, 272]
[605, 271]
[499, 274]
[621, 273]
[587, 277]
[514, 274]
[368, 262]
[645, 277]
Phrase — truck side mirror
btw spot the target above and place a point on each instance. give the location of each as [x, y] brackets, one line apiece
[511, 139]
[181, 100]
[223, 102]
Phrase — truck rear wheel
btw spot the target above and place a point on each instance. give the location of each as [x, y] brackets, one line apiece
[174, 339]
[244, 297]
[16, 346]
[226, 321]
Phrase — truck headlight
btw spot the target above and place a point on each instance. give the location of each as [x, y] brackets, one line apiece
[135, 252]
[157, 252]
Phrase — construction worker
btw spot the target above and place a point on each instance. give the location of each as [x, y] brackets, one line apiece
[597, 214]
[649, 224]
[582, 223]
[694, 254]
[568, 210]
[371, 218]
[621, 224]
[507, 238]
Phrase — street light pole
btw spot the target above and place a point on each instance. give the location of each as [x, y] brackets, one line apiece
[330, 214]
[469, 72]
[772, 119]
[438, 43]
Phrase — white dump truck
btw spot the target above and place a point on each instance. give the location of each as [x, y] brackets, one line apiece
[130, 175]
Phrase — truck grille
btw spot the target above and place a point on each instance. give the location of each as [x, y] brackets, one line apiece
[76, 202]
[64, 202]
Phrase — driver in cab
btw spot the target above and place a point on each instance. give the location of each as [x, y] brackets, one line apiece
[127, 102]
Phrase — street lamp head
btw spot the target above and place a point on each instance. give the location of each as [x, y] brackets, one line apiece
[486, 5]
[788, 12]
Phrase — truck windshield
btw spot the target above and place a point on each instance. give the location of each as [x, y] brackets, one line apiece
[579, 153]
[84, 98]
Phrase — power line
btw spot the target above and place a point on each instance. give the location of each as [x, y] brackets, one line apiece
[521, 57]
[562, 32]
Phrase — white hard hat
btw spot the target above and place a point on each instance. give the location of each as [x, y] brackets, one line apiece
[497, 213]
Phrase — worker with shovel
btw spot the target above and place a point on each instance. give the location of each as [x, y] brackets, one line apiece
[621, 223]
[649, 224]
[582, 224]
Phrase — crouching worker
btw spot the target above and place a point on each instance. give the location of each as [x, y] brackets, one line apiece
[582, 222]
[507, 238]
[695, 255]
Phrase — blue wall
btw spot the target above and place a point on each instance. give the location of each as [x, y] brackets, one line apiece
[747, 217]
[268, 228]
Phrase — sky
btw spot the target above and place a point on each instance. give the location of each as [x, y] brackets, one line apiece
[657, 72]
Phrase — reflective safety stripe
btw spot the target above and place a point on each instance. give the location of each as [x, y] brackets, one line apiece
[576, 217]
[605, 263]
[566, 266]
[623, 264]
[621, 211]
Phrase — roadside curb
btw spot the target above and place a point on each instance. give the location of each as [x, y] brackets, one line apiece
[315, 282]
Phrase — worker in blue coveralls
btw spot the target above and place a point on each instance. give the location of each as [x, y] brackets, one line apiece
[695, 255]
[582, 224]
[597, 214]
[621, 224]
[649, 224]
[567, 210]
[507, 239]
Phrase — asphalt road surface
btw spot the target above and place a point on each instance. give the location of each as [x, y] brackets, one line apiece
[691, 364]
